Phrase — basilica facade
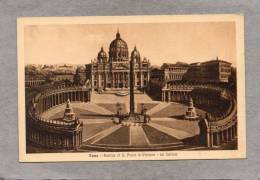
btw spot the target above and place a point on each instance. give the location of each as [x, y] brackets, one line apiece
[110, 71]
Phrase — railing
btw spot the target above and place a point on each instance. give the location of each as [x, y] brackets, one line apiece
[191, 87]
[62, 89]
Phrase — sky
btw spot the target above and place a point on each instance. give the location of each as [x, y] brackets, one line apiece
[159, 42]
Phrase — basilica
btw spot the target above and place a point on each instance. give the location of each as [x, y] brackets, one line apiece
[110, 71]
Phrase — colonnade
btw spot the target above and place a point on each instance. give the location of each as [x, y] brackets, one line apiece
[50, 133]
[216, 138]
[220, 129]
[184, 95]
[175, 96]
[56, 140]
[205, 99]
[47, 101]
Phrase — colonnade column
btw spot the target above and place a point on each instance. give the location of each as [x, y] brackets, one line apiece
[163, 95]
[169, 96]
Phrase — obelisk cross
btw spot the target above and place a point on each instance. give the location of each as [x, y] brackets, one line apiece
[132, 99]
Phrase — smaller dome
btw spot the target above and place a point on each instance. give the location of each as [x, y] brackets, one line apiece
[102, 53]
[135, 54]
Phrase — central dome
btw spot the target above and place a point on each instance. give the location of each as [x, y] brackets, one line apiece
[118, 50]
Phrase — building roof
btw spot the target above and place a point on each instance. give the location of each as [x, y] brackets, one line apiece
[178, 64]
[217, 60]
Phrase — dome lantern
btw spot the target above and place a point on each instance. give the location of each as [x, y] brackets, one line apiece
[117, 34]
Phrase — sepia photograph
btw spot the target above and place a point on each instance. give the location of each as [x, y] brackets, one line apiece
[131, 88]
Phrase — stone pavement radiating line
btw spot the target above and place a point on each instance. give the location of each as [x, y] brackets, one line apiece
[138, 136]
[158, 108]
[179, 134]
[97, 137]
[94, 108]
[88, 106]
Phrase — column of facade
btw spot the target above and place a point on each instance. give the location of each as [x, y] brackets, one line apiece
[162, 95]
[48, 101]
[232, 133]
[81, 96]
[235, 130]
[61, 97]
[117, 79]
[58, 98]
[114, 79]
[126, 79]
[211, 139]
[218, 138]
[71, 96]
[89, 96]
[169, 96]
[44, 101]
[174, 96]
[97, 86]
[55, 99]
[74, 139]
[84, 98]
[64, 97]
[51, 100]
[228, 135]
[123, 79]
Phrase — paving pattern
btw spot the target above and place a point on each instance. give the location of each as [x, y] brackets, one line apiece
[100, 131]
[138, 136]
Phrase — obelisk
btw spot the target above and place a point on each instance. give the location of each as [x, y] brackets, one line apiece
[132, 98]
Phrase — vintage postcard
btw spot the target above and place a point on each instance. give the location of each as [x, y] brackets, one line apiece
[131, 88]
